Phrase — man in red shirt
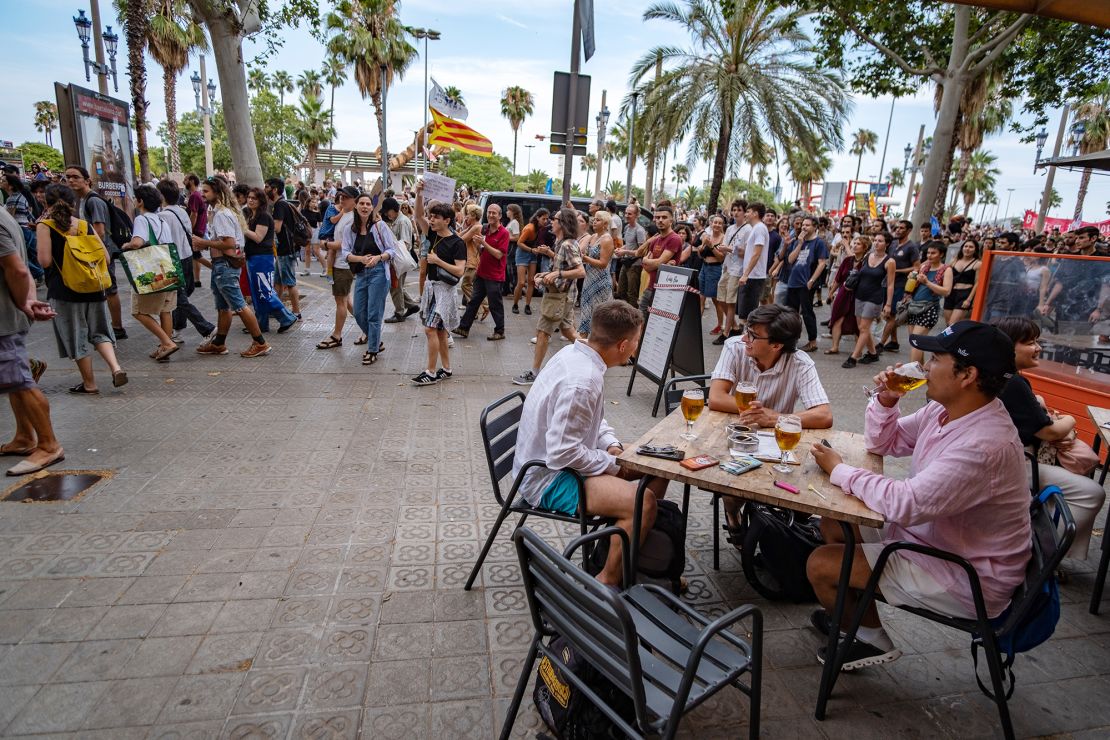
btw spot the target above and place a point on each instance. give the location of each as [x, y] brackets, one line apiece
[490, 275]
[198, 214]
[657, 251]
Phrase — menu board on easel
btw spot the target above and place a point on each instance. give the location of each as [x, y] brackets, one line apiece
[671, 340]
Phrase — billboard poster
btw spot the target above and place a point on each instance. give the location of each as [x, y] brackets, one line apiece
[103, 132]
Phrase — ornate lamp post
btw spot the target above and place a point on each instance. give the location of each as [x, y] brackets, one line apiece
[602, 120]
[89, 30]
[204, 95]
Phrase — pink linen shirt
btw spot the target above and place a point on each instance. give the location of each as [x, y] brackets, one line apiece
[966, 494]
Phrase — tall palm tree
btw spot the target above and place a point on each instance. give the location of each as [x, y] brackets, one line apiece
[368, 36]
[516, 105]
[173, 36]
[1094, 113]
[980, 177]
[135, 18]
[588, 164]
[693, 196]
[258, 80]
[729, 83]
[454, 95]
[896, 177]
[311, 83]
[863, 142]
[281, 82]
[806, 169]
[609, 153]
[46, 119]
[615, 188]
[313, 129]
[983, 112]
[681, 174]
[335, 74]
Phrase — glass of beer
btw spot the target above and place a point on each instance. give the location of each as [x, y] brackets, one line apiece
[788, 433]
[693, 401]
[903, 379]
[744, 393]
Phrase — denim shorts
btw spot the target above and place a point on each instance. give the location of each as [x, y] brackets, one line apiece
[225, 287]
[524, 258]
[287, 270]
[708, 278]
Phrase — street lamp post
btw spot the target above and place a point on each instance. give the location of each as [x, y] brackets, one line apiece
[631, 133]
[204, 95]
[529, 147]
[917, 158]
[1042, 137]
[1006, 213]
[907, 151]
[602, 125]
[426, 34]
[385, 148]
[89, 29]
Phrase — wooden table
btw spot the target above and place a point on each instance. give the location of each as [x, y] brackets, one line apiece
[758, 485]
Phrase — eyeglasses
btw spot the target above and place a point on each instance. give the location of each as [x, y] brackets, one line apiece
[751, 336]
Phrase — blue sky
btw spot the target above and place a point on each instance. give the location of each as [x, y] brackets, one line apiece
[485, 48]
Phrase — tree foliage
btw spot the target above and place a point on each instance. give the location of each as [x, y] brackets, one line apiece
[35, 151]
[484, 173]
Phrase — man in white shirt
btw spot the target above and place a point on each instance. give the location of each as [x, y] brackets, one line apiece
[755, 263]
[175, 217]
[736, 238]
[562, 424]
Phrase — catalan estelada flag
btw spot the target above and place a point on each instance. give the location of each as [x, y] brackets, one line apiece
[457, 135]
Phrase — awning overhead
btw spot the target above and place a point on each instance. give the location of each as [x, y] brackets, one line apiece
[1090, 12]
[1094, 161]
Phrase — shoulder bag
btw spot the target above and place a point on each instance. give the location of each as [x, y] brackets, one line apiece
[154, 268]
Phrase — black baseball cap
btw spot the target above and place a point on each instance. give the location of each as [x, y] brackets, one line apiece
[981, 345]
[350, 192]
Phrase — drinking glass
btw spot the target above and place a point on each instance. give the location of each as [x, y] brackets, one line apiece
[902, 379]
[788, 433]
[693, 401]
[744, 393]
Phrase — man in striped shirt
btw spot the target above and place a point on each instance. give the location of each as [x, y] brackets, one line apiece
[766, 354]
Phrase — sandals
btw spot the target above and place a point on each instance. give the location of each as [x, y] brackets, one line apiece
[369, 358]
[163, 353]
[15, 453]
[360, 340]
[81, 390]
[331, 342]
[119, 378]
[831, 352]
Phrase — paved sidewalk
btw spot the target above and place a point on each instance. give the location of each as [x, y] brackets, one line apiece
[281, 549]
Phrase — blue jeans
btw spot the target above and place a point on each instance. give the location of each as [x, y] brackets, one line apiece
[371, 289]
[31, 241]
[260, 273]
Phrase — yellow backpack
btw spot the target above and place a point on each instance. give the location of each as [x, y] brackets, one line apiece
[84, 268]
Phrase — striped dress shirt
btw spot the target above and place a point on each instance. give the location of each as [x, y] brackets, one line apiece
[791, 380]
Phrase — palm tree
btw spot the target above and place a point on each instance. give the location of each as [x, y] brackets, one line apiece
[368, 36]
[46, 119]
[588, 165]
[454, 95]
[173, 36]
[1054, 199]
[1094, 113]
[313, 129]
[806, 169]
[729, 84]
[615, 188]
[609, 153]
[680, 173]
[896, 177]
[980, 177]
[692, 195]
[311, 83]
[258, 80]
[983, 112]
[281, 82]
[135, 18]
[335, 74]
[516, 105]
[863, 142]
[618, 136]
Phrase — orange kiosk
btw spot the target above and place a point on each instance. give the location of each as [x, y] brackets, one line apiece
[1074, 370]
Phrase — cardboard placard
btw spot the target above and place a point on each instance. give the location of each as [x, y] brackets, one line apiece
[438, 188]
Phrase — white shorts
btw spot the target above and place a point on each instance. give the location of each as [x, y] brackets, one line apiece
[905, 583]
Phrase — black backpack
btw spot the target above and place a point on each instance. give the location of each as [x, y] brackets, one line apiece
[662, 556]
[565, 709]
[300, 232]
[774, 546]
[119, 226]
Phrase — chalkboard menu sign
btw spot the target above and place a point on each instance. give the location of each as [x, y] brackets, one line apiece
[671, 342]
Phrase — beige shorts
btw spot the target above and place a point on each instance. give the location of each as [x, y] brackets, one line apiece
[153, 304]
[728, 287]
[554, 312]
[905, 583]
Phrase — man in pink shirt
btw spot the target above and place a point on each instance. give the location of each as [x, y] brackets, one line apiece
[966, 492]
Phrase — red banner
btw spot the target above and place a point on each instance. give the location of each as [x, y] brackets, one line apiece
[1063, 224]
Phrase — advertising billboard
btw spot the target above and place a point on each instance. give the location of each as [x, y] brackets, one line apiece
[96, 131]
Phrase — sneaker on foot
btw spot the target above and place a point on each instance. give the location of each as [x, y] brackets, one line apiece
[208, 348]
[177, 338]
[495, 337]
[450, 341]
[410, 311]
[286, 327]
[532, 340]
[862, 654]
[849, 363]
[715, 330]
[720, 339]
[891, 347]
[821, 621]
[525, 378]
[527, 310]
[425, 378]
[868, 358]
[443, 374]
[256, 350]
[516, 308]
[460, 332]
[395, 319]
[120, 332]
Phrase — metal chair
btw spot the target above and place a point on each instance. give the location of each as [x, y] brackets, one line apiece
[666, 657]
[499, 423]
[672, 398]
[1053, 532]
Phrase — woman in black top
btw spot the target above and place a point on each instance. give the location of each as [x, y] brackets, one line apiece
[82, 323]
[1036, 424]
[874, 297]
[310, 209]
[259, 248]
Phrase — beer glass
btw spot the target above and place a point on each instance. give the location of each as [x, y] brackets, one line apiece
[788, 433]
[744, 393]
[693, 401]
[902, 379]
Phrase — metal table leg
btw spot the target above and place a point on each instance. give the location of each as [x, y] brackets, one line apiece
[831, 670]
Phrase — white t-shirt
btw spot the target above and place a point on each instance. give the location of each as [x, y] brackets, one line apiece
[147, 224]
[736, 237]
[177, 220]
[514, 229]
[223, 223]
[758, 235]
[341, 230]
